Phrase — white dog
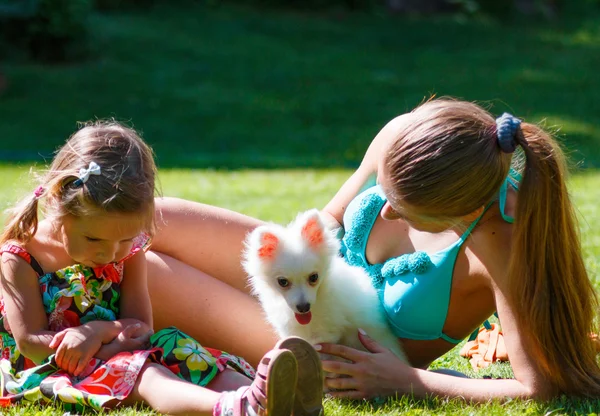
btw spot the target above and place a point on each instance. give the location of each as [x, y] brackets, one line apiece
[307, 290]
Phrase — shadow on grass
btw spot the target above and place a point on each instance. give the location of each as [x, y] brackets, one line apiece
[231, 87]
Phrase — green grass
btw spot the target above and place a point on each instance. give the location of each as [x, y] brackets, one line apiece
[230, 87]
[277, 195]
[233, 87]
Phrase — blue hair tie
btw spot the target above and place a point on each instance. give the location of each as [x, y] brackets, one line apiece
[507, 127]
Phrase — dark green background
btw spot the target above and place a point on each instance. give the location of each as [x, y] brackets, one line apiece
[233, 86]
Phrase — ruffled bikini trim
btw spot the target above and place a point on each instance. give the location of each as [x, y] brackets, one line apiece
[353, 246]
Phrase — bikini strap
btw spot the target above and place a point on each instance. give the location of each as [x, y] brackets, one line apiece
[21, 252]
[474, 224]
[513, 179]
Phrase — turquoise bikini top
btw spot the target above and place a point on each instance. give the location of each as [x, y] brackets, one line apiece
[414, 288]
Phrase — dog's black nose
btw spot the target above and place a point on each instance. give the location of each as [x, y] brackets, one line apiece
[303, 307]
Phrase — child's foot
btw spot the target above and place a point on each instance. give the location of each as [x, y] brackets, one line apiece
[309, 390]
[270, 394]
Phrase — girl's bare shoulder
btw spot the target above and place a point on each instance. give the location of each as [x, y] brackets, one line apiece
[47, 249]
[491, 242]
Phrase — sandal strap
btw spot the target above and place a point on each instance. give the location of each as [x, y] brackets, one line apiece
[255, 395]
[246, 396]
[257, 391]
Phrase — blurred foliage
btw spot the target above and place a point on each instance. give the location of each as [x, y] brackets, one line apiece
[49, 30]
[110, 5]
[314, 4]
[493, 8]
[57, 30]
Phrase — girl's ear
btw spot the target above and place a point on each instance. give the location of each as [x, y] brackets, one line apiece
[268, 244]
[313, 231]
[474, 215]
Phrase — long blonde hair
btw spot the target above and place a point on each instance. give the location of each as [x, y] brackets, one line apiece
[126, 183]
[446, 161]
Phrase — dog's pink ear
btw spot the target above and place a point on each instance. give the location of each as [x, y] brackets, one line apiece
[268, 246]
[312, 232]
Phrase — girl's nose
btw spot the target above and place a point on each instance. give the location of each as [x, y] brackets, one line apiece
[109, 253]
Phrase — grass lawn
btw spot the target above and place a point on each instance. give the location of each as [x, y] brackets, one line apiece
[232, 87]
[278, 196]
[290, 100]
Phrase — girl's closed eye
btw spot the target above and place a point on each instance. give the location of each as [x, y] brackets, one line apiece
[92, 239]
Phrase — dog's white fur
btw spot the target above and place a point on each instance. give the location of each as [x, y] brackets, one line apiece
[342, 299]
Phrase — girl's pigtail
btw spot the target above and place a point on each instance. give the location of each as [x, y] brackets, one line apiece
[22, 220]
[549, 285]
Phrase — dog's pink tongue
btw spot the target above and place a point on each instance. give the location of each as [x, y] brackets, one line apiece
[303, 318]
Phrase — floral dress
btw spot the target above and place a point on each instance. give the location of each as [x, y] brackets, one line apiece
[78, 294]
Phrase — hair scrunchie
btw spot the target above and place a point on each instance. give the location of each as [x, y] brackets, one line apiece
[507, 127]
[39, 191]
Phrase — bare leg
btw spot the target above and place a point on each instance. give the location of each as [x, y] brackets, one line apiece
[212, 312]
[228, 380]
[205, 237]
[166, 393]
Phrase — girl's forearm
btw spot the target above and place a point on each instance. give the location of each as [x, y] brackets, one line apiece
[110, 329]
[107, 351]
[36, 346]
[126, 341]
[429, 383]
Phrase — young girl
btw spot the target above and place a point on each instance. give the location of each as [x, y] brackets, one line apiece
[76, 322]
[444, 200]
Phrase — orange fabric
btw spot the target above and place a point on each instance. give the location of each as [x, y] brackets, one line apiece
[487, 348]
[596, 342]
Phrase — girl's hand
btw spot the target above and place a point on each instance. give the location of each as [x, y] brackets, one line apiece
[377, 373]
[75, 347]
[132, 338]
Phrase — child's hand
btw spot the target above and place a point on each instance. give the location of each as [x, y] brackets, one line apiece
[133, 338]
[130, 339]
[75, 347]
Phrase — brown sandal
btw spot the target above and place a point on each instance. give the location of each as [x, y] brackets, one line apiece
[309, 391]
[272, 391]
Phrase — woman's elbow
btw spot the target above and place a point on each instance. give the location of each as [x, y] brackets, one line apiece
[540, 390]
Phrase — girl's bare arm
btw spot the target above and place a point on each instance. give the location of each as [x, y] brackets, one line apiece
[24, 308]
[134, 328]
[366, 172]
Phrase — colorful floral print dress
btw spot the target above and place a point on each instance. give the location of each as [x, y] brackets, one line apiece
[79, 294]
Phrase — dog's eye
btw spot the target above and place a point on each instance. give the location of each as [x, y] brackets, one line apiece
[313, 278]
[283, 282]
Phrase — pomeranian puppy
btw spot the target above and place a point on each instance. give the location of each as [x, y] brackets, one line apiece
[307, 290]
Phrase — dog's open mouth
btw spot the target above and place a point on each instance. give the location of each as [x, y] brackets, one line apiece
[303, 318]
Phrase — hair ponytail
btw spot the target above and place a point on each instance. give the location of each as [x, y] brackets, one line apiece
[553, 297]
[22, 221]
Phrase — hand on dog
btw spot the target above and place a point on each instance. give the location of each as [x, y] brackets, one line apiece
[367, 375]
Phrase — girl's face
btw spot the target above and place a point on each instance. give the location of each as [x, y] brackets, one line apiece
[413, 219]
[411, 215]
[100, 239]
